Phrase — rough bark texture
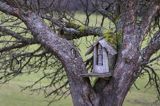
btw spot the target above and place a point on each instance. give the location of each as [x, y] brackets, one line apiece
[68, 55]
[110, 92]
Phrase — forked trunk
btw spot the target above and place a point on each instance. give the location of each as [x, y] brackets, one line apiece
[112, 92]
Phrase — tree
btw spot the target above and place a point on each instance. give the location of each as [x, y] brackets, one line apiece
[50, 25]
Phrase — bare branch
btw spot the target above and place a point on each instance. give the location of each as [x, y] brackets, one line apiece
[4, 7]
[72, 31]
[16, 35]
[107, 11]
[4, 49]
[152, 47]
[148, 17]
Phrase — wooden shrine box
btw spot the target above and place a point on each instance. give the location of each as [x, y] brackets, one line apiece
[101, 49]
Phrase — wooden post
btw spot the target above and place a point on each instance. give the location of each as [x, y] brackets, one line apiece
[105, 61]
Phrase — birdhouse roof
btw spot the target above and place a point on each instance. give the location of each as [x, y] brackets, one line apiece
[104, 44]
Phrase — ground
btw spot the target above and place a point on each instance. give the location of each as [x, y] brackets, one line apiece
[11, 94]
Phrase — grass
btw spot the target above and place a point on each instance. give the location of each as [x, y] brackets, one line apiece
[11, 95]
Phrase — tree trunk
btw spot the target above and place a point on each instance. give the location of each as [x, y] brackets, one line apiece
[82, 92]
[114, 90]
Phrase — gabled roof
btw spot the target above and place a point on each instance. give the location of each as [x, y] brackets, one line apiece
[104, 44]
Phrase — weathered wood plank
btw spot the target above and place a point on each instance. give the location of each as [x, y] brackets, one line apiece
[105, 61]
[108, 47]
[91, 48]
[104, 75]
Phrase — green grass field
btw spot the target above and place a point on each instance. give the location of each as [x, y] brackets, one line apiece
[11, 95]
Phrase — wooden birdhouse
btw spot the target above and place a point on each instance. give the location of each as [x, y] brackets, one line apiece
[100, 49]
